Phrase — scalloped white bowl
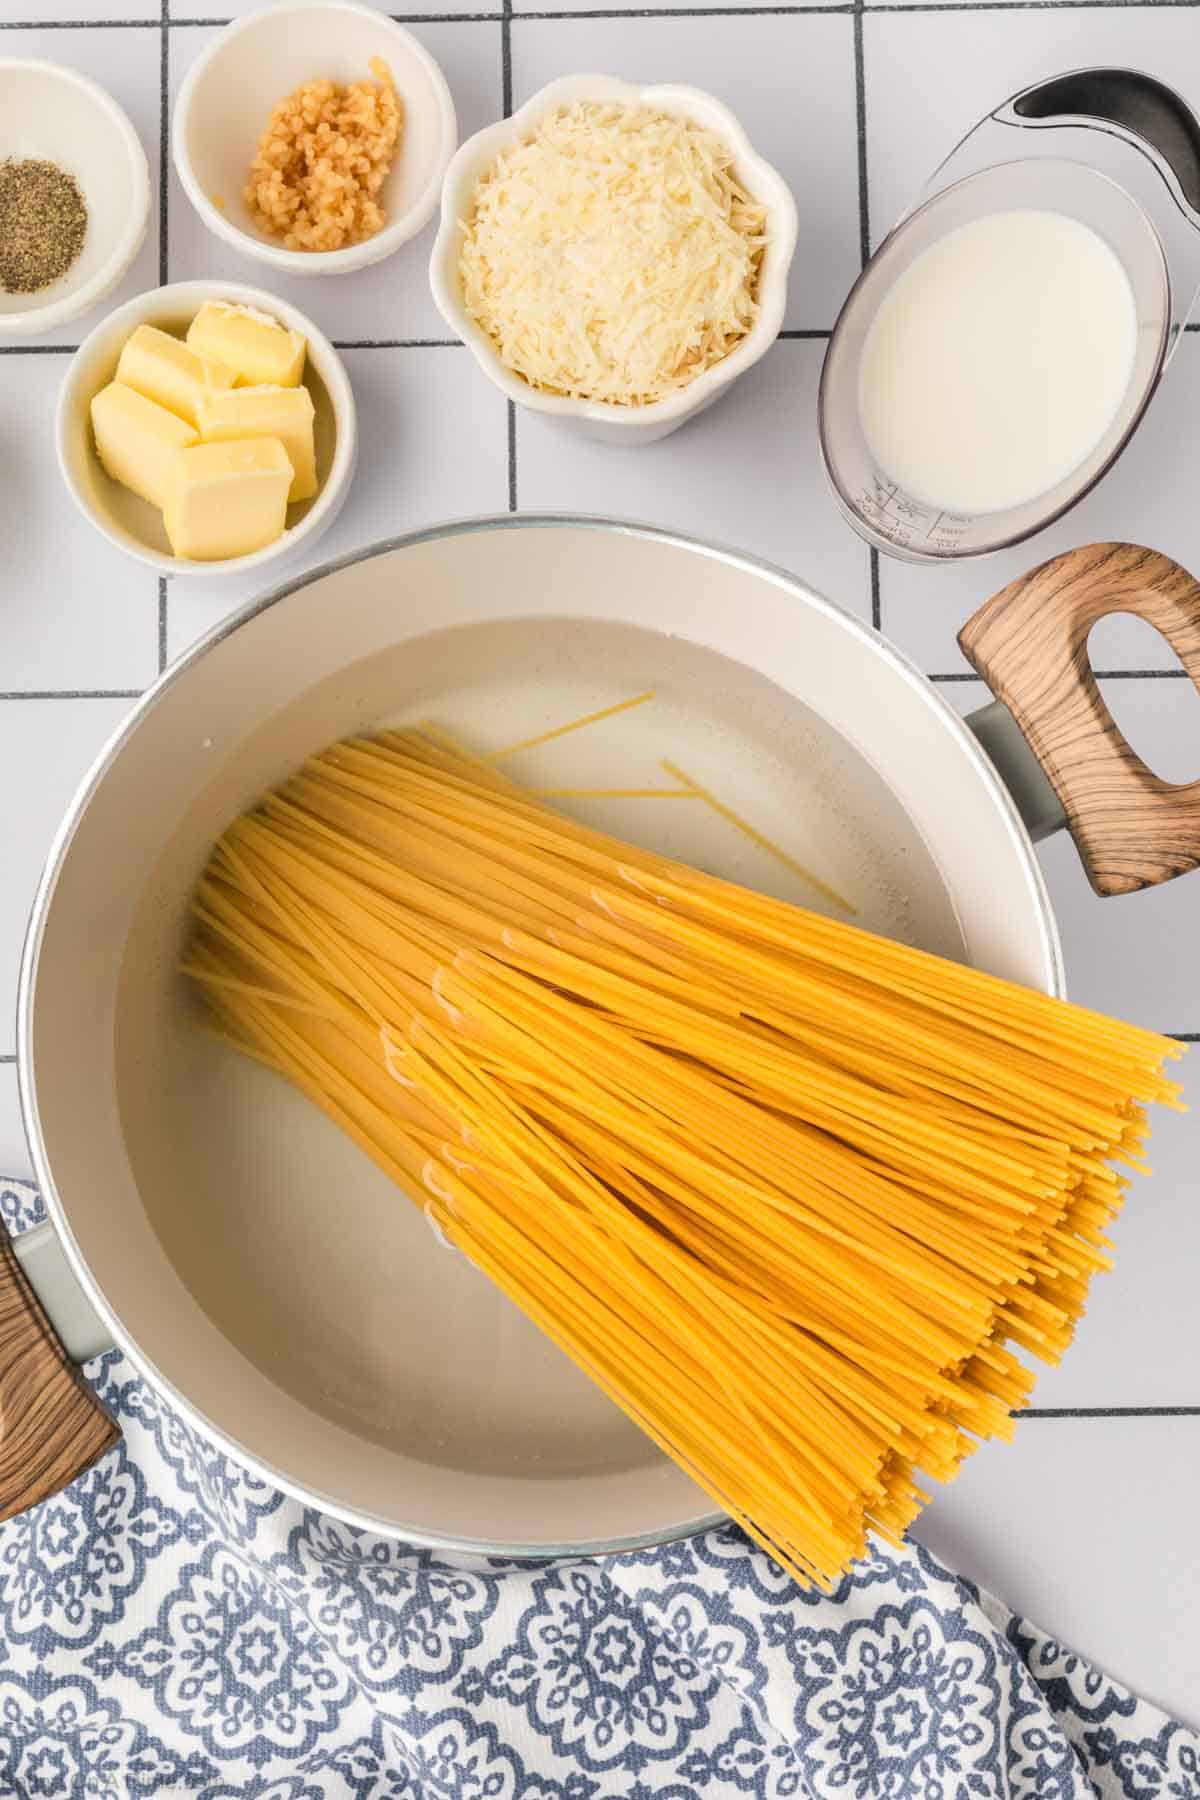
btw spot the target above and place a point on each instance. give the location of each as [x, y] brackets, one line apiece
[597, 419]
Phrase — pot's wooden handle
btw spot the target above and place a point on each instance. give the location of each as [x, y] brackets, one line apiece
[1029, 643]
[52, 1427]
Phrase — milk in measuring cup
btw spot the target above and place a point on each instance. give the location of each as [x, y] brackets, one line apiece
[997, 361]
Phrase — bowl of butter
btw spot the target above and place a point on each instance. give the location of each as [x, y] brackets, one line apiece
[207, 429]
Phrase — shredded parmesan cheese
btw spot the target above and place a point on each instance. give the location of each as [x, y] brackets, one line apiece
[614, 255]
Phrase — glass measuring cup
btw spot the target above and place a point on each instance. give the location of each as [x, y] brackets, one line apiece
[1112, 148]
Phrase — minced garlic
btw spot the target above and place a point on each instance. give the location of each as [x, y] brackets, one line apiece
[322, 160]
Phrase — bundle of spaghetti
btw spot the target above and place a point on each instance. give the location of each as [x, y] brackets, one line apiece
[794, 1195]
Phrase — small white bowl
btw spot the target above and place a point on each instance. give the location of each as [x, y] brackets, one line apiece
[228, 94]
[56, 115]
[135, 526]
[593, 418]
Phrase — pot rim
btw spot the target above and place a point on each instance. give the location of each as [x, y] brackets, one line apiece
[57, 1210]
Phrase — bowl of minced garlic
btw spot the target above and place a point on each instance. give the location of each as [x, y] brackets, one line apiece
[320, 164]
[614, 256]
[314, 137]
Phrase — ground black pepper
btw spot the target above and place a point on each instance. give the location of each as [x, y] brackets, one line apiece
[43, 222]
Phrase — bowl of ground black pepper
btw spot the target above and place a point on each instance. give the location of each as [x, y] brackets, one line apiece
[74, 194]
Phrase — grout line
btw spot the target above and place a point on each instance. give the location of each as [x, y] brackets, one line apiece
[1100, 674]
[77, 24]
[162, 623]
[512, 457]
[1108, 1412]
[954, 6]
[805, 334]
[699, 12]
[397, 343]
[506, 81]
[860, 99]
[72, 694]
[864, 246]
[212, 22]
[164, 82]
[164, 187]
[506, 102]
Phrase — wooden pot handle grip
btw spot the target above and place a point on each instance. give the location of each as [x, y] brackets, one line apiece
[52, 1427]
[1029, 643]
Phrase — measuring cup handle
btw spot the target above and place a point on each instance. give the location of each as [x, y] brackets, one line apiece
[1029, 642]
[1138, 103]
[52, 1427]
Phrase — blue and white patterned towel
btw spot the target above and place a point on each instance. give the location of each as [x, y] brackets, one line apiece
[170, 1625]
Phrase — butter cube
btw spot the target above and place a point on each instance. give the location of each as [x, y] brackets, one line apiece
[281, 412]
[256, 347]
[227, 499]
[137, 441]
[164, 369]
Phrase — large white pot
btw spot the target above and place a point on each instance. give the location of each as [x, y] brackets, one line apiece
[248, 1260]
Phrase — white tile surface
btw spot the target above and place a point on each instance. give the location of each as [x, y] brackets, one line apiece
[931, 76]
[790, 81]
[1087, 1527]
[94, 622]
[1136, 1346]
[602, 6]
[126, 63]
[433, 444]
[85, 12]
[14, 1152]
[46, 746]
[391, 300]
[183, 10]
[745, 474]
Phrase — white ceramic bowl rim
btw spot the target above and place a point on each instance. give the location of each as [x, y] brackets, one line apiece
[332, 373]
[57, 312]
[765, 181]
[311, 262]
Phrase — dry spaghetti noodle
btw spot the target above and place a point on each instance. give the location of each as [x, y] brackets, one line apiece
[792, 1194]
